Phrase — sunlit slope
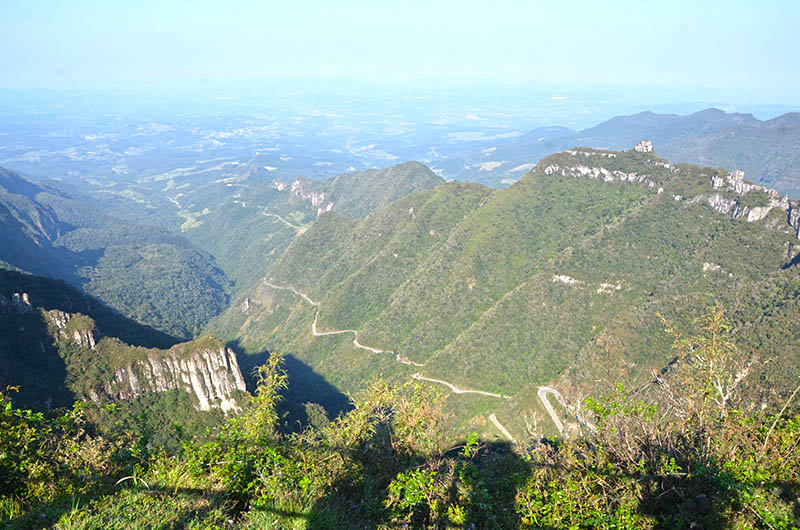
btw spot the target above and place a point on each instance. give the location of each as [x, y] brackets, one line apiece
[562, 277]
[249, 231]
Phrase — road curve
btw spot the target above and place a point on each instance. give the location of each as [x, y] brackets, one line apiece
[284, 221]
[493, 419]
[455, 389]
[399, 358]
[295, 291]
[543, 391]
[341, 331]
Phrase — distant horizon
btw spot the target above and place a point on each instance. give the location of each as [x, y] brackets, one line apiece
[579, 106]
[744, 52]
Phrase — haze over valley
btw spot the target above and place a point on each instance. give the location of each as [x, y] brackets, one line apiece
[242, 291]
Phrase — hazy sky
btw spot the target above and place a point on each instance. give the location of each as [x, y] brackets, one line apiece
[749, 48]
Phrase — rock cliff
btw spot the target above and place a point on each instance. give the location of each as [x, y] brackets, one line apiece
[302, 190]
[728, 194]
[211, 375]
[204, 368]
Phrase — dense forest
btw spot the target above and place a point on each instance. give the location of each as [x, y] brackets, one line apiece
[686, 451]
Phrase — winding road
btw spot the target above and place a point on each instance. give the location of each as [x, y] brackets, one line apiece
[543, 391]
[455, 389]
[493, 419]
[339, 332]
[284, 221]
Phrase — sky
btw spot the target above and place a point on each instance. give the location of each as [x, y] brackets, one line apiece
[745, 49]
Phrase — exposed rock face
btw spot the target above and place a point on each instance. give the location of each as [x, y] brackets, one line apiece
[82, 332]
[724, 200]
[595, 172]
[212, 376]
[206, 368]
[301, 189]
[734, 183]
[19, 303]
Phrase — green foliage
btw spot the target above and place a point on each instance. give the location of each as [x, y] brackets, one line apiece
[477, 285]
[271, 381]
[411, 492]
[45, 457]
[155, 277]
[677, 466]
[175, 290]
[248, 235]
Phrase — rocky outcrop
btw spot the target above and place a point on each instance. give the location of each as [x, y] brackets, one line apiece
[204, 368]
[597, 172]
[301, 189]
[212, 376]
[75, 327]
[727, 196]
[18, 303]
[734, 185]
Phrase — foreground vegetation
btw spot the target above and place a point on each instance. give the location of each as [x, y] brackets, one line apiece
[690, 449]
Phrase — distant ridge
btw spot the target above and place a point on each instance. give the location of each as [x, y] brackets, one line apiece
[765, 150]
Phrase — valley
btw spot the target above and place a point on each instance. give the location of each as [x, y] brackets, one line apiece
[510, 307]
[399, 266]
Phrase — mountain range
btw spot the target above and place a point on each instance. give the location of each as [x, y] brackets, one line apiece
[561, 278]
[765, 150]
[152, 275]
[561, 281]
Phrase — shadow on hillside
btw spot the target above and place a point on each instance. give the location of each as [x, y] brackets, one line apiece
[48, 294]
[30, 361]
[794, 261]
[305, 387]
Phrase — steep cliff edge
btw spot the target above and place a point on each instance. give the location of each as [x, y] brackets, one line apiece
[57, 354]
[204, 368]
[725, 191]
[209, 373]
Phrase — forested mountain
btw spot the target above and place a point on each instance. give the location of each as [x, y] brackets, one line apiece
[153, 276]
[59, 346]
[764, 150]
[468, 322]
[250, 230]
[562, 277]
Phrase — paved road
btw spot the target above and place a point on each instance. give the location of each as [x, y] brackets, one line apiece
[284, 221]
[493, 419]
[455, 389]
[543, 391]
[399, 358]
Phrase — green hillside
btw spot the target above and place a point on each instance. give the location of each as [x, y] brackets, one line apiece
[153, 276]
[550, 280]
[248, 232]
[30, 356]
[59, 346]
